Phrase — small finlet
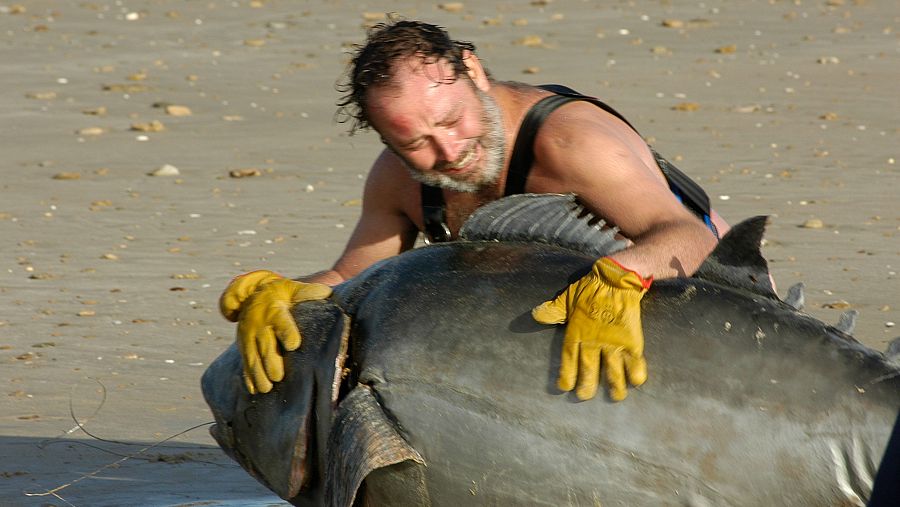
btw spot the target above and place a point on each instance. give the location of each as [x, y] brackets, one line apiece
[847, 321]
[893, 350]
[795, 298]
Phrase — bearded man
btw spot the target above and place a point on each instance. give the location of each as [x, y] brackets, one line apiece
[456, 139]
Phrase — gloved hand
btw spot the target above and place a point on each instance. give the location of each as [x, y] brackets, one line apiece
[603, 310]
[260, 302]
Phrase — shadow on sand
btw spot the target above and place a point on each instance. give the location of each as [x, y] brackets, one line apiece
[171, 474]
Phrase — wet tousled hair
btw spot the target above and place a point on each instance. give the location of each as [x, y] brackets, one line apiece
[387, 43]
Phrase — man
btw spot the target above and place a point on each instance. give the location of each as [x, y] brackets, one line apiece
[450, 131]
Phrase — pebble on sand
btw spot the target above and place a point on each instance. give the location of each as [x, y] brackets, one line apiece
[686, 106]
[96, 111]
[175, 110]
[813, 223]
[672, 23]
[152, 126]
[166, 170]
[244, 173]
[454, 7]
[530, 41]
[125, 88]
[67, 176]
[91, 131]
[41, 95]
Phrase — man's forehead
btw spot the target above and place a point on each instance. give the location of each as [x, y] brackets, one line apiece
[421, 78]
[432, 71]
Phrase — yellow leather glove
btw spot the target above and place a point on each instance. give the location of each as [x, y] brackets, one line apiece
[261, 302]
[603, 310]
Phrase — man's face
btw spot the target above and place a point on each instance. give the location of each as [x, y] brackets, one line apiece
[449, 134]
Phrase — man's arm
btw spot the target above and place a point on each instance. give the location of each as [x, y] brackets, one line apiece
[609, 168]
[261, 301]
[385, 227]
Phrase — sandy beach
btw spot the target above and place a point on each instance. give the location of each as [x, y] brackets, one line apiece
[153, 149]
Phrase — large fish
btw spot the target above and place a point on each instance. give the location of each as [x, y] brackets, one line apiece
[424, 381]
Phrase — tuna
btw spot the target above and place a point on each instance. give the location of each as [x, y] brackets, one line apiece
[424, 381]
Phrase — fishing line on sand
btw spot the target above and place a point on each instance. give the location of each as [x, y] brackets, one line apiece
[80, 426]
[124, 457]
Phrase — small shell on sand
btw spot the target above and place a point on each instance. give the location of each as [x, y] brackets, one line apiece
[813, 223]
[166, 170]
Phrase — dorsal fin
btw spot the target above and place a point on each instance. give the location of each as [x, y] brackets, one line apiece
[556, 219]
[795, 298]
[737, 261]
[847, 321]
[893, 350]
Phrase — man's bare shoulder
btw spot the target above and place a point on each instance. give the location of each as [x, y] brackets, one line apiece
[391, 189]
[580, 136]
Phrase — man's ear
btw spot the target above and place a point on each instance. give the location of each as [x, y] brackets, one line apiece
[476, 71]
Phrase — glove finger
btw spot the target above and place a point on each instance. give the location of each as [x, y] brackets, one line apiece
[311, 292]
[568, 363]
[549, 312]
[636, 367]
[614, 370]
[248, 383]
[257, 377]
[254, 376]
[588, 371]
[272, 361]
[285, 328]
[229, 305]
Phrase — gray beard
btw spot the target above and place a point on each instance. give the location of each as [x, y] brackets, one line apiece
[493, 143]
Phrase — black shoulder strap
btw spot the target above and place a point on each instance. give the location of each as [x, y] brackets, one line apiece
[523, 153]
[568, 92]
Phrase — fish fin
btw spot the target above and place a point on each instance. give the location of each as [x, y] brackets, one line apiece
[893, 350]
[737, 261]
[363, 440]
[555, 219]
[796, 298]
[847, 322]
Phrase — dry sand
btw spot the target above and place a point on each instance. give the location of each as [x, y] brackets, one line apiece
[110, 276]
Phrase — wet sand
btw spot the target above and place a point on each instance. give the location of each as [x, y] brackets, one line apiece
[111, 275]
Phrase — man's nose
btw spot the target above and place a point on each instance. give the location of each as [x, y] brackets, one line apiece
[449, 145]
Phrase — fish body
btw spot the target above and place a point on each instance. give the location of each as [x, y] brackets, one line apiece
[426, 379]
